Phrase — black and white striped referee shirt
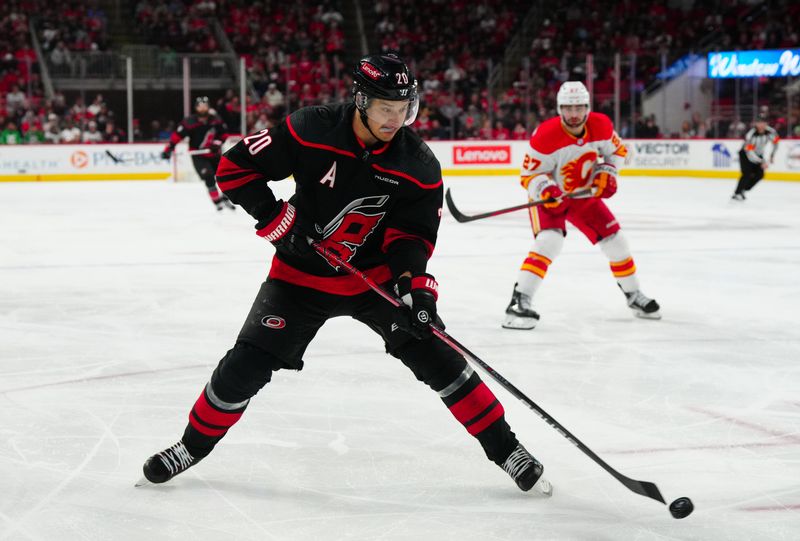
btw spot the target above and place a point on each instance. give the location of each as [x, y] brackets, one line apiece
[755, 143]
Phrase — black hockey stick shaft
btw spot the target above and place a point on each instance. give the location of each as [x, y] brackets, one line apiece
[644, 488]
[462, 218]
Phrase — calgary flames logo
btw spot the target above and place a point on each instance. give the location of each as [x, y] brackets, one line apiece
[576, 173]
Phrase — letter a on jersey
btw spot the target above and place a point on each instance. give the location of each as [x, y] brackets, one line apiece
[330, 176]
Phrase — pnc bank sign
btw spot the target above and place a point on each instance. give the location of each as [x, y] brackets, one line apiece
[481, 154]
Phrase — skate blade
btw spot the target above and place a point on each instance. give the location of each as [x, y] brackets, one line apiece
[644, 315]
[519, 323]
[543, 487]
[142, 482]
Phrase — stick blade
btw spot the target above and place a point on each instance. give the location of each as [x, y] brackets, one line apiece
[457, 214]
[645, 488]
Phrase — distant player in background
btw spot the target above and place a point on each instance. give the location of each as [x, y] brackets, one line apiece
[206, 132]
[752, 161]
[576, 150]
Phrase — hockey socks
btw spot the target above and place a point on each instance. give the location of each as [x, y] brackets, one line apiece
[474, 405]
[209, 421]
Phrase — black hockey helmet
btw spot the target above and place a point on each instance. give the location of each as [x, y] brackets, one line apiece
[200, 100]
[385, 77]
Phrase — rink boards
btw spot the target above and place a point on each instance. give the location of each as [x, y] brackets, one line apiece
[706, 158]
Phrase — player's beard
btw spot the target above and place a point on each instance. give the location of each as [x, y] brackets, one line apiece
[575, 125]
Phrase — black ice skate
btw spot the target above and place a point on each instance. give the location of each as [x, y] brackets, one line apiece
[738, 196]
[224, 203]
[519, 314]
[526, 471]
[642, 306]
[163, 466]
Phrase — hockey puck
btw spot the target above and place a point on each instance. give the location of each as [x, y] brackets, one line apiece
[681, 508]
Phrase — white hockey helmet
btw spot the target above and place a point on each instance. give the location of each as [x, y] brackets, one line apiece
[572, 93]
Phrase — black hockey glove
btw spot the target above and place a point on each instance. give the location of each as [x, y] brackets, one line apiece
[166, 154]
[289, 233]
[419, 294]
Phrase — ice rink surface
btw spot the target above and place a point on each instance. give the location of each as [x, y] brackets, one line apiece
[118, 299]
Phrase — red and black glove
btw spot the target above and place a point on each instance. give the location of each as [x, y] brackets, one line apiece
[604, 180]
[287, 232]
[419, 294]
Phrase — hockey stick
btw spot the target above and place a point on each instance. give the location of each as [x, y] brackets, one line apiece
[644, 488]
[461, 217]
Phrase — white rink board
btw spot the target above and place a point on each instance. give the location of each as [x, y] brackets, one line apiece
[707, 158]
[120, 297]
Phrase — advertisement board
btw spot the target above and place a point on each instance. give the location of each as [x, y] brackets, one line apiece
[768, 63]
[692, 158]
[84, 162]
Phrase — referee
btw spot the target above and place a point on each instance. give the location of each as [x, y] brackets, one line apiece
[751, 157]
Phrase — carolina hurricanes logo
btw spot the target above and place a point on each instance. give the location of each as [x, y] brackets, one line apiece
[576, 172]
[351, 227]
[273, 322]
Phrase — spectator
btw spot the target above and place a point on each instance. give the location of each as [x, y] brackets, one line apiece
[649, 130]
[520, 133]
[687, 132]
[112, 134]
[61, 59]
[52, 134]
[96, 106]
[262, 123]
[91, 135]
[274, 96]
[70, 133]
[34, 135]
[15, 100]
[10, 135]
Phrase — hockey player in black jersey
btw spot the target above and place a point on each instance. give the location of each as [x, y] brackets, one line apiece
[205, 131]
[368, 188]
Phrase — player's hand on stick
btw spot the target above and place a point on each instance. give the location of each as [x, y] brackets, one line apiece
[287, 231]
[166, 154]
[544, 188]
[604, 180]
[419, 294]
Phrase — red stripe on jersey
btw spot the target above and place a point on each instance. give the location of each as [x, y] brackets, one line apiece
[204, 429]
[336, 285]
[227, 167]
[487, 420]
[407, 177]
[473, 404]
[212, 416]
[316, 145]
[382, 149]
[174, 138]
[393, 234]
[227, 185]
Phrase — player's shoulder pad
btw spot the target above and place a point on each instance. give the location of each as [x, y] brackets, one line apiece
[550, 136]
[411, 159]
[312, 123]
[599, 127]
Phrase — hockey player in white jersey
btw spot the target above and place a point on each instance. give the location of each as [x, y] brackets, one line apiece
[579, 149]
